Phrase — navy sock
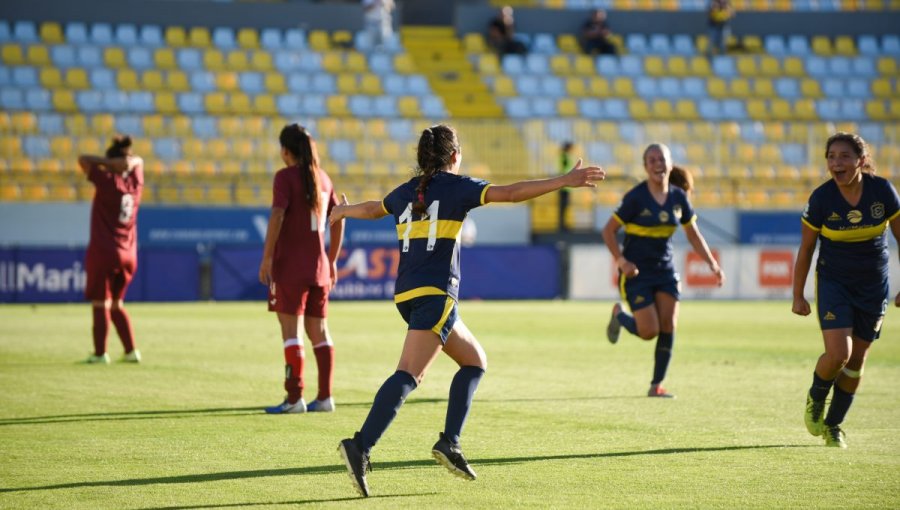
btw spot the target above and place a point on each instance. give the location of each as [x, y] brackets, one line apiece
[820, 388]
[387, 402]
[627, 322]
[663, 355]
[840, 404]
[462, 389]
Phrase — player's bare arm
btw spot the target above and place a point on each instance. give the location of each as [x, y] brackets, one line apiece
[115, 165]
[276, 218]
[628, 268]
[578, 177]
[698, 243]
[808, 239]
[371, 210]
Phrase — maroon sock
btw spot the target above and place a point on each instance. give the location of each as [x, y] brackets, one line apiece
[325, 362]
[123, 328]
[101, 327]
[293, 370]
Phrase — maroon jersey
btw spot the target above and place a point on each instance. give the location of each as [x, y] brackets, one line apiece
[300, 256]
[114, 215]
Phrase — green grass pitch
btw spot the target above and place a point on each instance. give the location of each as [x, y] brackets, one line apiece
[559, 421]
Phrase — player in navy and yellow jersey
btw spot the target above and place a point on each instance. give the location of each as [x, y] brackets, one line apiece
[650, 213]
[848, 216]
[298, 269]
[429, 211]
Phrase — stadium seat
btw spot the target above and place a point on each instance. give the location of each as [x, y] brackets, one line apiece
[25, 32]
[76, 33]
[38, 100]
[63, 56]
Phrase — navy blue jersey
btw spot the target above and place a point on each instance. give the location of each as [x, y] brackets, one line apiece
[429, 245]
[649, 226]
[854, 246]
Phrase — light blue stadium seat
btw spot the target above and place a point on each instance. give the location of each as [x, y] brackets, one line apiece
[63, 56]
[724, 66]
[828, 109]
[591, 108]
[631, 65]
[50, 124]
[270, 39]
[25, 77]
[788, 88]
[660, 44]
[833, 87]
[298, 83]
[636, 43]
[38, 100]
[803, 5]
[90, 57]
[853, 109]
[774, 45]
[709, 109]
[683, 44]
[518, 107]
[323, 83]
[872, 132]
[223, 38]
[361, 106]
[140, 58]
[394, 84]
[513, 65]
[152, 35]
[528, 85]
[25, 32]
[734, 109]
[607, 65]
[362, 41]
[616, 109]
[544, 43]
[599, 151]
[646, 87]
[5, 32]
[839, 66]
[12, 99]
[36, 146]
[868, 45]
[288, 105]
[76, 33]
[752, 132]
[433, 107]
[189, 59]
[537, 64]
[385, 106]
[631, 132]
[890, 44]
[314, 104]
[793, 153]
[816, 67]
[863, 67]
[286, 61]
[543, 106]
[126, 35]
[102, 78]
[294, 39]
[670, 88]
[190, 103]
[5, 77]
[202, 81]
[101, 34]
[417, 85]
[552, 86]
[694, 87]
[130, 124]
[381, 63]
[858, 88]
[168, 149]
[205, 127]
[798, 45]
[679, 151]
[89, 101]
[400, 130]
[309, 61]
[252, 82]
[342, 151]
[559, 130]
[116, 101]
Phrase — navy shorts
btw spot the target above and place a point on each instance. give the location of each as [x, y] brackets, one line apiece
[435, 313]
[640, 291]
[858, 306]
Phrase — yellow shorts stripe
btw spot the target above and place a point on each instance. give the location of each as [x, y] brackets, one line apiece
[418, 292]
[447, 307]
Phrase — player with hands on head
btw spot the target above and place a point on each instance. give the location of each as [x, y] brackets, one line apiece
[847, 217]
[650, 213]
[429, 211]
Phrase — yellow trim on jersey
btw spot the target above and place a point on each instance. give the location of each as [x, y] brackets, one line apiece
[446, 229]
[617, 218]
[383, 208]
[808, 224]
[856, 235]
[691, 222]
[657, 231]
[448, 306]
[484, 194]
[896, 214]
[418, 292]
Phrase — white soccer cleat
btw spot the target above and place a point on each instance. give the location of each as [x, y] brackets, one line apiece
[321, 406]
[132, 357]
[93, 359]
[287, 408]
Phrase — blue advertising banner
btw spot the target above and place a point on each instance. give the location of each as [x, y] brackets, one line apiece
[509, 272]
[235, 273]
[190, 225]
[769, 227]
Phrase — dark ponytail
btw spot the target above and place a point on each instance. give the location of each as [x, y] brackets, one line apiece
[297, 140]
[436, 147]
[860, 147]
[119, 146]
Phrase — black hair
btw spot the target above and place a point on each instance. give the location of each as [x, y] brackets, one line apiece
[119, 146]
[436, 147]
[860, 147]
[299, 142]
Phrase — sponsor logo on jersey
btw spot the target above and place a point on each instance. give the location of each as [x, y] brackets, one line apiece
[646, 212]
[663, 216]
[834, 217]
[854, 216]
[829, 316]
[877, 210]
[638, 300]
[676, 211]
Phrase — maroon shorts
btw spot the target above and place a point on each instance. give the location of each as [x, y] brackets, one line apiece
[298, 299]
[108, 281]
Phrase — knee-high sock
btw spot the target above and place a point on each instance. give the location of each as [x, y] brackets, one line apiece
[627, 322]
[325, 362]
[663, 354]
[100, 329]
[840, 404]
[462, 389]
[293, 369]
[387, 402]
[123, 327]
[820, 388]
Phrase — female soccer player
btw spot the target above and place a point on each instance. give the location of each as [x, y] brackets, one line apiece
[429, 210]
[111, 257]
[650, 212]
[297, 269]
[848, 216]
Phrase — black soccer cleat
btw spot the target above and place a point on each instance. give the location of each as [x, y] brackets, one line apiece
[451, 457]
[357, 463]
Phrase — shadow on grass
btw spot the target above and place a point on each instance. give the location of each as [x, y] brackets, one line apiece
[299, 502]
[405, 464]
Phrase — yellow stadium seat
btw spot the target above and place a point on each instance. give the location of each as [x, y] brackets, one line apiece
[166, 103]
[177, 81]
[624, 154]
[114, 58]
[844, 45]
[403, 64]
[346, 83]
[38, 55]
[64, 101]
[805, 109]
[887, 66]
[143, 147]
[409, 107]
[240, 103]
[778, 109]
[219, 194]
[243, 148]
[764, 88]
[182, 167]
[821, 45]
[567, 43]
[584, 65]
[91, 145]
[561, 64]
[264, 104]
[63, 192]
[769, 66]
[164, 58]
[355, 62]
[10, 192]
[746, 65]
[193, 148]
[275, 83]
[12, 54]
[21, 165]
[176, 37]
[261, 60]
[216, 103]
[881, 87]
[214, 60]
[169, 193]
[230, 126]
[717, 88]
[366, 150]
[686, 109]
[127, 80]
[231, 167]
[319, 40]
[24, 122]
[876, 109]
[567, 107]
[6, 125]
[256, 125]
[152, 80]
[662, 109]
[623, 87]
[769, 154]
[793, 67]
[181, 126]
[809, 87]
[77, 78]
[199, 37]
[237, 61]
[474, 43]
[103, 124]
[504, 87]
[739, 88]
[677, 66]
[35, 192]
[700, 66]
[370, 84]
[752, 44]
[227, 81]
[51, 78]
[654, 65]
[575, 86]
[10, 146]
[333, 61]
[248, 38]
[337, 105]
[51, 33]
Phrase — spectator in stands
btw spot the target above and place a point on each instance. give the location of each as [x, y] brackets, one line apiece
[429, 210]
[719, 15]
[297, 269]
[111, 258]
[852, 275]
[379, 21]
[650, 213]
[595, 35]
[565, 162]
[502, 34]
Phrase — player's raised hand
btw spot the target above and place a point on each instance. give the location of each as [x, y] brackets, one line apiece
[581, 177]
[801, 306]
[337, 212]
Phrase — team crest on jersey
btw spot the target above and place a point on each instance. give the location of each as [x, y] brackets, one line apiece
[834, 217]
[663, 216]
[854, 216]
[829, 316]
[646, 212]
[676, 211]
[877, 210]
